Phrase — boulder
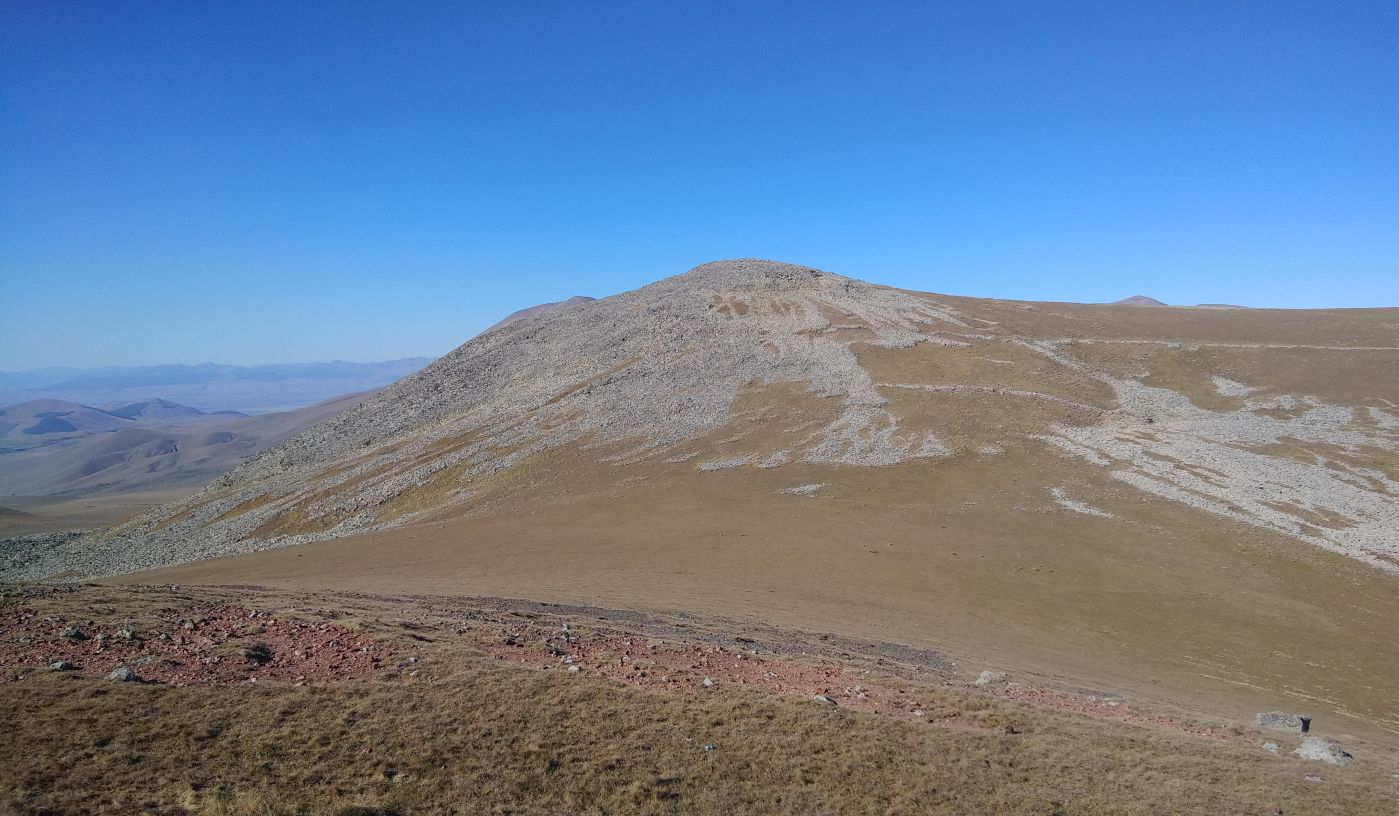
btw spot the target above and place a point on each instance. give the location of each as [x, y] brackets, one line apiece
[1323, 750]
[72, 633]
[989, 677]
[61, 665]
[823, 699]
[124, 675]
[1282, 721]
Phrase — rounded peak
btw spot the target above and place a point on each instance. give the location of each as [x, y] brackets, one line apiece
[750, 273]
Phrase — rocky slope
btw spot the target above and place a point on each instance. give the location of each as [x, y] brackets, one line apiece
[1287, 422]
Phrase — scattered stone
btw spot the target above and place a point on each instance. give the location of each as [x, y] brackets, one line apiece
[61, 665]
[1282, 721]
[823, 699]
[1323, 750]
[72, 633]
[124, 675]
[1271, 747]
[707, 683]
[989, 677]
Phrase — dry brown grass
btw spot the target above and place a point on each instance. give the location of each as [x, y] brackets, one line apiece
[472, 734]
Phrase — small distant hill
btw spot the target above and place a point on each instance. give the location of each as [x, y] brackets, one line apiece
[162, 445]
[1138, 300]
[543, 308]
[33, 422]
[208, 387]
[161, 410]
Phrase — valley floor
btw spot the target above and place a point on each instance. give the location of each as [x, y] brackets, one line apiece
[261, 701]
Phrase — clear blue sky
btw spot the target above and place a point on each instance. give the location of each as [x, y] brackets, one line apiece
[248, 182]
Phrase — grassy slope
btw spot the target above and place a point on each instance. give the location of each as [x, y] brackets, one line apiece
[473, 734]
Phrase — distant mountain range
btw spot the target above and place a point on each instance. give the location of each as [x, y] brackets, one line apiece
[207, 387]
[56, 448]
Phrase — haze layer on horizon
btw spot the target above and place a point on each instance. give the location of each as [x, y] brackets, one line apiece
[262, 182]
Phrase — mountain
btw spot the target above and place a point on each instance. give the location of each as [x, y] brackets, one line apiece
[160, 446]
[1192, 504]
[542, 308]
[159, 410]
[208, 387]
[38, 422]
[1138, 300]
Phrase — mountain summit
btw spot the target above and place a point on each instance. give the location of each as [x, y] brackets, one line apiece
[750, 365]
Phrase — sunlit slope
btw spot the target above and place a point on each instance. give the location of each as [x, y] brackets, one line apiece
[1282, 421]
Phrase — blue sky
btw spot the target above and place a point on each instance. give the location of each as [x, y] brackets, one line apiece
[247, 183]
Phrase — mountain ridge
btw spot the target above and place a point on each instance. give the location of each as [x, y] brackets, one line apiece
[653, 368]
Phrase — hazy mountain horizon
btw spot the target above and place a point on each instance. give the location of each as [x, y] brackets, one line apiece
[252, 389]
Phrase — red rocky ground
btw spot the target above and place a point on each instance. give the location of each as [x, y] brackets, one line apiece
[203, 645]
[637, 661]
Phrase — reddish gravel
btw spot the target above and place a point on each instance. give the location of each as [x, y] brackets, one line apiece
[214, 644]
[639, 662]
[1111, 708]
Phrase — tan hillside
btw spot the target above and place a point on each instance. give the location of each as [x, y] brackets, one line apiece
[1195, 505]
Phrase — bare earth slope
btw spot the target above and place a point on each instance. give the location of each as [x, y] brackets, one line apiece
[1196, 504]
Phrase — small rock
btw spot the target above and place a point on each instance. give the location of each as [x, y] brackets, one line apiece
[61, 665]
[1323, 750]
[1270, 747]
[823, 699]
[989, 677]
[574, 669]
[124, 675]
[1282, 721]
[72, 633]
[1311, 778]
[126, 634]
[260, 654]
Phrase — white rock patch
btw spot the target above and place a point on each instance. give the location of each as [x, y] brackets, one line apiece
[1062, 499]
